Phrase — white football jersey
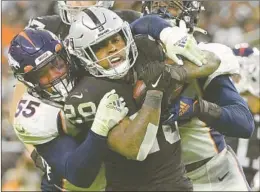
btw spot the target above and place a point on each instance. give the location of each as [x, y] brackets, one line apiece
[35, 122]
[198, 140]
[229, 62]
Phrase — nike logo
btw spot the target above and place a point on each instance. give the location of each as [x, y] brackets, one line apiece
[223, 177]
[156, 83]
[78, 96]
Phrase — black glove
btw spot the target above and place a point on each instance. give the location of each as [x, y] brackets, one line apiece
[155, 76]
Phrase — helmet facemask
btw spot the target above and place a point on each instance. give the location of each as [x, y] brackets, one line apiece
[68, 12]
[51, 79]
[119, 62]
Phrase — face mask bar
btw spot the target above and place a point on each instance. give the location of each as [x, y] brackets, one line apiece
[58, 88]
[90, 61]
[67, 12]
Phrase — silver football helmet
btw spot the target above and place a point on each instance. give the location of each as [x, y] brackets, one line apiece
[68, 11]
[92, 28]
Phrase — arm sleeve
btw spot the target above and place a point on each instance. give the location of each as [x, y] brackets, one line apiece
[236, 120]
[78, 163]
[150, 24]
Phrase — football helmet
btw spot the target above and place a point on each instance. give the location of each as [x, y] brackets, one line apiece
[68, 12]
[187, 11]
[39, 60]
[248, 59]
[90, 30]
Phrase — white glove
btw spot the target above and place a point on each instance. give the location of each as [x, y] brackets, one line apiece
[178, 41]
[111, 110]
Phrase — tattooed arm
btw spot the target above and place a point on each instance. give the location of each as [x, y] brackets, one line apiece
[128, 136]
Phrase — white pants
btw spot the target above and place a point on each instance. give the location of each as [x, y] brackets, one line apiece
[221, 173]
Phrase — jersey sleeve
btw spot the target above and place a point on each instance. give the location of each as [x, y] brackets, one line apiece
[229, 63]
[35, 122]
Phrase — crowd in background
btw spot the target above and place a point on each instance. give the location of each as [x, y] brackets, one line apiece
[227, 22]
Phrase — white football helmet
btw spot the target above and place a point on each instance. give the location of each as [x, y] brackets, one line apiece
[92, 27]
[248, 59]
[68, 12]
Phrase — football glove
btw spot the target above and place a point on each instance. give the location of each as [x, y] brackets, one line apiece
[183, 108]
[111, 110]
[178, 42]
[155, 76]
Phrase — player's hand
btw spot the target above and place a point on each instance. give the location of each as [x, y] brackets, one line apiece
[182, 109]
[111, 110]
[154, 75]
[178, 42]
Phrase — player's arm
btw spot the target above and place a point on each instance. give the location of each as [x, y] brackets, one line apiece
[134, 138]
[77, 163]
[37, 124]
[223, 109]
[189, 71]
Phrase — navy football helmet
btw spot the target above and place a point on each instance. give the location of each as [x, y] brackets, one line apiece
[39, 60]
[187, 11]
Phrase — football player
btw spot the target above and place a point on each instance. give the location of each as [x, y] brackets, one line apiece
[111, 55]
[110, 35]
[247, 84]
[208, 150]
[40, 61]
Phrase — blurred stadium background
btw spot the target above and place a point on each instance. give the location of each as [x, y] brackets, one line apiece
[227, 22]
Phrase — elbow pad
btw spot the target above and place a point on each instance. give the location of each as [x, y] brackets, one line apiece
[207, 112]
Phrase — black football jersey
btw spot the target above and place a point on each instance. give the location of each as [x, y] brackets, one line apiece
[248, 150]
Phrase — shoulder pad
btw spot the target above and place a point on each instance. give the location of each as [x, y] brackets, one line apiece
[35, 122]
[229, 63]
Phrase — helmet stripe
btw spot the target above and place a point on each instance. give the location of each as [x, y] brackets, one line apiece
[23, 34]
[93, 17]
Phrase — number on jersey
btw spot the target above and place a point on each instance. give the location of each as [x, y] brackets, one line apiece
[26, 108]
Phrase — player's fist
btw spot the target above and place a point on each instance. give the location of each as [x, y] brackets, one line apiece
[183, 108]
[178, 42]
[111, 110]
